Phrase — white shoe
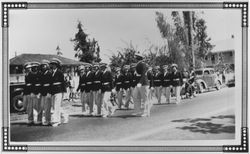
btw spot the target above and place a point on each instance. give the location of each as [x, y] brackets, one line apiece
[145, 115]
[136, 114]
[56, 124]
[105, 115]
[98, 115]
[92, 113]
[113, 110]
[65, 121]
[85, 113]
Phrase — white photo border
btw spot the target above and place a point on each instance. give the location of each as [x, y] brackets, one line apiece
[8, 6]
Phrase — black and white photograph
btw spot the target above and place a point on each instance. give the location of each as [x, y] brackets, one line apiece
[124, 76]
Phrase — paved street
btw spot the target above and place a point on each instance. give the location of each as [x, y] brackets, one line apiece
[208, 116]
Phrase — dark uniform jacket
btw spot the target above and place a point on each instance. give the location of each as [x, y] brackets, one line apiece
[141, 70]
[89, 81]
[107, 83]
[28, 83]
[37, 85]
[177, 79]
[82, 83]
[97, 78]
[157, 79]
[128, 79]
[150, 78]
[119, 81]
[167, 79]
[137, 78]
[46, 81]
[58, 83]
[133, 79]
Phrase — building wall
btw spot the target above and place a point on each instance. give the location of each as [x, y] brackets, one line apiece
[220, 58]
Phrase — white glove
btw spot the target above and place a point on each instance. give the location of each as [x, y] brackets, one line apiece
[113, 91]
[139, 85]
[152, 88]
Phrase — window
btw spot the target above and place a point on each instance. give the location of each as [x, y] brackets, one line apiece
[206, 58]
[213, 59]
[198, 72]
[206, 72]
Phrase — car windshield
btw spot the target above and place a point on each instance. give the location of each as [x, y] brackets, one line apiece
[198, 72]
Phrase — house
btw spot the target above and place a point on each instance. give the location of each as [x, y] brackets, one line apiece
[16, 64]
[223, 54]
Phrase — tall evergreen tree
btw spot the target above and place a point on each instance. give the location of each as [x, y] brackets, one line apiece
[201, 39]
[87, 50]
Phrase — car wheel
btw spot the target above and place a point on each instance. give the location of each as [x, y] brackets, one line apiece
[218, 85]
[18, 104]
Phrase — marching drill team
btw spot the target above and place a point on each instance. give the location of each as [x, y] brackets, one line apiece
[137, 83]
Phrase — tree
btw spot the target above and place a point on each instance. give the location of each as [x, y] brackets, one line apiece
[157, 55]
[87, 50]
[124, 56]
[186, 36]
[202, 41]
[176, 40]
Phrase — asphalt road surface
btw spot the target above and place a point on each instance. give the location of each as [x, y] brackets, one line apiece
[208, 116]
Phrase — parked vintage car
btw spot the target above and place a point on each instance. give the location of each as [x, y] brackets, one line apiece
[230, 79]
[207, 78]
[16, 97]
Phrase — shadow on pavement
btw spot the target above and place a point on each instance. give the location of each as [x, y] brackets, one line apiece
[76, 105]
[224, 116]
[164, 104]
[82, 116]
[124, 109]
[191, 120]
[119, 113]
[25, 124]
[125, 116]
[20, 124]
[213, 125]
[209, 127]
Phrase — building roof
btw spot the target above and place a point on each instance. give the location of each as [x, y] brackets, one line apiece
[224, 46]
[24, 58]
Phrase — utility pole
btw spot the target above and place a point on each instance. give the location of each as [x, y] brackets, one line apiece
[59, 53]
[191, 36]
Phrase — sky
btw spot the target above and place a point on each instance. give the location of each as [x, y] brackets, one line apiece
[40, 31]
